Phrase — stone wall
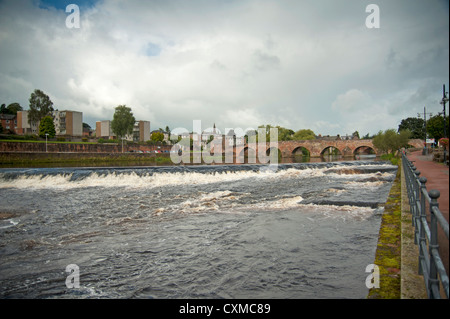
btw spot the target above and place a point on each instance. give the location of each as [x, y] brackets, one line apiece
[23, 147]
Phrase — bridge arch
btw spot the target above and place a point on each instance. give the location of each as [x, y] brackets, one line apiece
[274, 151]
[330, 150]
[364, 150]
[301, 151]
[246, 155]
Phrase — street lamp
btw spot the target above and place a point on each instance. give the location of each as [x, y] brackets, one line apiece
[46, 134]
[425, 150]
[444, 100]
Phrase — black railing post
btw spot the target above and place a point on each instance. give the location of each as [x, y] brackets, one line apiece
[422, 218]
[433, 275]
[425, 232]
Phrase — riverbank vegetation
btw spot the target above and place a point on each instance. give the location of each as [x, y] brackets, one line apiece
[394, 159]
[390, 141]
[388, 254]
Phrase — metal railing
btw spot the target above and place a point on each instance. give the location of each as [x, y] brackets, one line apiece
[422, 201]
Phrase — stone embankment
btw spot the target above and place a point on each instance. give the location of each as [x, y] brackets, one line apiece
[22, 153]
[26, 147]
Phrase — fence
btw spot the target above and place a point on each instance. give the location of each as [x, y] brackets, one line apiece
[422, 201]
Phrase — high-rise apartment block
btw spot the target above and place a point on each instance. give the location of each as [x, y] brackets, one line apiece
[67, 123]
[141, 131]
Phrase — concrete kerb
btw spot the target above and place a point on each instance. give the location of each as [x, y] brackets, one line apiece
[412, 284]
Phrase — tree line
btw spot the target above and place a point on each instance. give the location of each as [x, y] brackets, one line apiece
[391, 140]
[420, 129]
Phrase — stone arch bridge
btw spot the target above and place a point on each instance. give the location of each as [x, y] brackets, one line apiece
[317, 148]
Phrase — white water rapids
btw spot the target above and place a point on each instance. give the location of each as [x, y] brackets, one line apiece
[237, 231]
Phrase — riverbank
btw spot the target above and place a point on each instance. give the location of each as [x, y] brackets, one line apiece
[388, 254]
[14, 159]
[397, 255]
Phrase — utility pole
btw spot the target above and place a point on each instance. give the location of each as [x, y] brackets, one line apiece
[444, 100]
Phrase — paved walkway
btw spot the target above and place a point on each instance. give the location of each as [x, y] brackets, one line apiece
[437, 175]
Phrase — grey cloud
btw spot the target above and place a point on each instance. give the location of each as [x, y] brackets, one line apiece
[231, 62]
[264, 61]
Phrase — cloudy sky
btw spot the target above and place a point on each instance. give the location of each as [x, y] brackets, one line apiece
[237, 63]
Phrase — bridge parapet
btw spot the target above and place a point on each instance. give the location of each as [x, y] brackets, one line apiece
[316, 148]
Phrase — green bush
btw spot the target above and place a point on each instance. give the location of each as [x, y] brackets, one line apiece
[31, 137]
[102, 140]
[390, 157]
[13, 137]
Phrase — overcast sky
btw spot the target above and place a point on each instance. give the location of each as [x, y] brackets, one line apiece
[301, 64]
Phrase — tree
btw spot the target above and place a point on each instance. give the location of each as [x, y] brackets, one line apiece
[40, 106]
[390, 141]
[435, 127]
[285, 134]
[305, 134]
[415, 125]
[367, 137]
[10, 109]
[46, 126]
[13, 108]
[157, 137]
[123, 121]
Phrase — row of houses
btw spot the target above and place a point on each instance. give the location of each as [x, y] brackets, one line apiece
[67, 123]
[70, 124]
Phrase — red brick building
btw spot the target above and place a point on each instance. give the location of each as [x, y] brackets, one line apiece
[9, 123]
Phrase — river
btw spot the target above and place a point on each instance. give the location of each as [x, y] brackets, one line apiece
[300, 230]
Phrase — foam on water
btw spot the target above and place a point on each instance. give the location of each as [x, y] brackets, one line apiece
[68, 179]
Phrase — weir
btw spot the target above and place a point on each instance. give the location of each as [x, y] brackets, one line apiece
[203, 231]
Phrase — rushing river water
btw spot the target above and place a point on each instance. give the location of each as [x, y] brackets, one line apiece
[239, 231]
